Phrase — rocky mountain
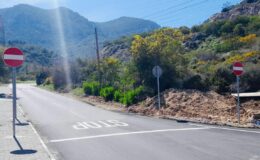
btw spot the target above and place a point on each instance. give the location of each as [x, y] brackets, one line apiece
[245, 8]
[118, 49]
[36, 26]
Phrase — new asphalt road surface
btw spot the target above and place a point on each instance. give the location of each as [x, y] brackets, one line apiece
[78, 131]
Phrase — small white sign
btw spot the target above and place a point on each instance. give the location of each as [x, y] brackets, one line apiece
[157, 71]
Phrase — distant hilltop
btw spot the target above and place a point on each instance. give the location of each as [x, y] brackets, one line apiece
[36, 26]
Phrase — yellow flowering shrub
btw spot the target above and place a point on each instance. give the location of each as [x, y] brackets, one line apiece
[201, 62]
[242, 58]
[247, 39]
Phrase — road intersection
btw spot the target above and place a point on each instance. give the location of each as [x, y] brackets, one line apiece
[79, 131]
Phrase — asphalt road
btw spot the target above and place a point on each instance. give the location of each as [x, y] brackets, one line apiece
[78, 131]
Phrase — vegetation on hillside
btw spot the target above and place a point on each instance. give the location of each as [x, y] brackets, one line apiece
[199, 58]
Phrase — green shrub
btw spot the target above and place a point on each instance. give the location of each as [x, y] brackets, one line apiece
[132, 96]
[107, 93]
[226, 28]
[250, 80]
[228, 45]
[239, 30]
[91, 88]
[185, 30]
[48, 81]
[195, 28]
[117, 96]
[222, 80]
[244, 20]
[194, 82]
[41, 77]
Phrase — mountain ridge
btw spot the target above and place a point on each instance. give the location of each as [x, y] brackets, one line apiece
[37, 26]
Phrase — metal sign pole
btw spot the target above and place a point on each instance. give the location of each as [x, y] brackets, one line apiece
[238, 101]
[158, 88]
[14, 98]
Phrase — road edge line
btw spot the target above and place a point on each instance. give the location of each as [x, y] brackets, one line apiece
[227, 129]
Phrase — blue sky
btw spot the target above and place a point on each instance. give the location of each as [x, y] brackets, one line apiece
[172, 13]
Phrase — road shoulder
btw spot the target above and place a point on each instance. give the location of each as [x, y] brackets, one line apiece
[27, 144]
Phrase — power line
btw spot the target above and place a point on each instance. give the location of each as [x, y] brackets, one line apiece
[2, 28]
[168, 18]
[165, 10]
[175, 12]
[174, 20]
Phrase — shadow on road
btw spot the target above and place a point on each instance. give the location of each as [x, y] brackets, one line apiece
[21, 123]
[22, 151]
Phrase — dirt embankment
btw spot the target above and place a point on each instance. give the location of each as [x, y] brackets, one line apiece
[208, 107]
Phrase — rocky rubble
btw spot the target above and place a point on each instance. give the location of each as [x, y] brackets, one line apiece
[205, 107]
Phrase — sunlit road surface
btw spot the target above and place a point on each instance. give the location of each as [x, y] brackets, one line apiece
[78, 131]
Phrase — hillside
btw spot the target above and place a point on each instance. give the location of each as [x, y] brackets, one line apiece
[198, 58]
[27, 23]
[121, 48]
[208, 50]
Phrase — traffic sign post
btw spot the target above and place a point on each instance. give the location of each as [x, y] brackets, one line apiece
[238, 70]
[157, 72]
[13, 57]
[14, 98]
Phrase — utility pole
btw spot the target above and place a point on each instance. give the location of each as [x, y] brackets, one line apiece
[98, 57]
[2, 28]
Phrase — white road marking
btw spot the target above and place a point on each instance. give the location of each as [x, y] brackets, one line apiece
[99, 124]
[197, 125]
[39, 137]
[238, 130]
[11, 137]
[229, 129]
[255, 157]
[127, 133]
[6, 100]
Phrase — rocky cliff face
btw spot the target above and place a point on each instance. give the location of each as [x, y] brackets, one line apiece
[246, 8]
[119, 49]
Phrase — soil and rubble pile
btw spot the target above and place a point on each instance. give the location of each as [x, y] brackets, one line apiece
[206, 107]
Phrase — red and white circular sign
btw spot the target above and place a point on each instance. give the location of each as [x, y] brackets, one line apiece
[238, 68]
[13, 57]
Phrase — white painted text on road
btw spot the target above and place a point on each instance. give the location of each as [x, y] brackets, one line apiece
[99, 124]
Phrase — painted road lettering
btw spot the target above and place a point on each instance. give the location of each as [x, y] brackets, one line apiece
[99, 124]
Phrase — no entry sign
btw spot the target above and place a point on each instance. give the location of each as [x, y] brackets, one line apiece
[13, 57]
[238, 68]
